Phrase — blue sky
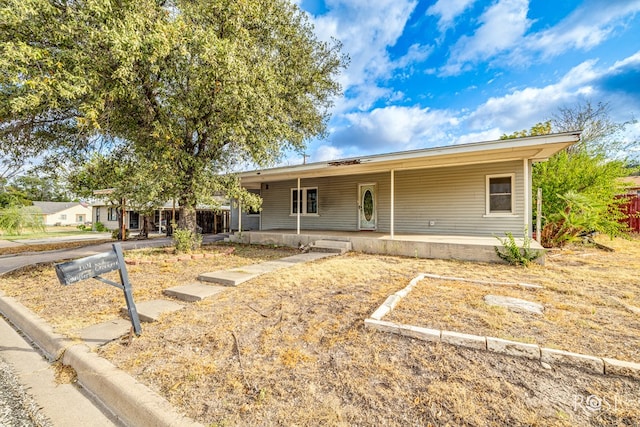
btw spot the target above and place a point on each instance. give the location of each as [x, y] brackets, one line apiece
[434, 73]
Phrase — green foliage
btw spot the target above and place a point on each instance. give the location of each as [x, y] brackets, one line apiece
[191, 88]
[593, 176]
[15, 219]
[11, 196]
[116, 234]
[542, 128]
[515, 254]
[580, 185]
[582, 214]
[41, 188]
[100, 227]
[185, 240]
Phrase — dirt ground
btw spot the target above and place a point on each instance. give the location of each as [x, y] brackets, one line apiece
[290, 347]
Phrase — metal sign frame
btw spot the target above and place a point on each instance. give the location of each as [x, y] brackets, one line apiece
[92, 267]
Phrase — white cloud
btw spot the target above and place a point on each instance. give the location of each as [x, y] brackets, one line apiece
[448, 10]
[502, 35]
[367, 29]
[327, 152]
[586, 27]
[396, 128]
[522, 108]
[502, 26]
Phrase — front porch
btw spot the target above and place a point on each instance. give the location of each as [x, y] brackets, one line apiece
[465, 248]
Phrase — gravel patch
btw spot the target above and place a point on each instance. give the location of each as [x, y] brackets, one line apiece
[17, 408]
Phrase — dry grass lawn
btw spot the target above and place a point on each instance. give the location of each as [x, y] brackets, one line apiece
[290, 347]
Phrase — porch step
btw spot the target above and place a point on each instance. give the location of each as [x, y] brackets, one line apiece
[331, 246]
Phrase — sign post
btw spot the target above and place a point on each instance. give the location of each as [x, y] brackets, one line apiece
[92, 267]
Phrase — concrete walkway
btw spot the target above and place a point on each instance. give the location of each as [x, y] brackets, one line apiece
[130, 402]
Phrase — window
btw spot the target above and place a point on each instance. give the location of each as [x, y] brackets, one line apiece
[112, 215]
[63, 216]
[308, 201]
[79, 218]
[500, 194]
[97, 214]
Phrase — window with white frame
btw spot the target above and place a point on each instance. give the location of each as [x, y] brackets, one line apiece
[308, 201]
[500, 194]
[63, 217]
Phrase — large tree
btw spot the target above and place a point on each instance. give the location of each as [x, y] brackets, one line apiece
[194, 87]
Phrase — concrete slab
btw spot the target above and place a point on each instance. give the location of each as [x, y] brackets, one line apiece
[193, 292]
[150, 311]
[239, 275]
[102, 333]
[227, 278]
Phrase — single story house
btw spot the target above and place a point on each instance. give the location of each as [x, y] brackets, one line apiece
[458, 193]
[64, 213]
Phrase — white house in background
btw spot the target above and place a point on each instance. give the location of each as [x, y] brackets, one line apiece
[64, 213]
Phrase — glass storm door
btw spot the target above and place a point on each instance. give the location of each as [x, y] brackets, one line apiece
[367, 207]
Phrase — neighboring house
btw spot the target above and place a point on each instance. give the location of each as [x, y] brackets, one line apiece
[64, 213]
[209, 220]
[479, 189]
[632, 184]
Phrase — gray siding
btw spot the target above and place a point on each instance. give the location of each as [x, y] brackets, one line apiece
[453, 199]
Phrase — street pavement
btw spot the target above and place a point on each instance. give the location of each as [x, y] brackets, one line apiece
[30, 395]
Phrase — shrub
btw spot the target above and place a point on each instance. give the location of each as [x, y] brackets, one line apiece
[514, 254]
[100, 227]
[14, 219]
[185, 241]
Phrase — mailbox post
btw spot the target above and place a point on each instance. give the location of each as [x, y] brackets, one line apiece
[92, 267]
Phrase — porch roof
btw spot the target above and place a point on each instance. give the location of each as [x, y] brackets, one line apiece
[535, 148]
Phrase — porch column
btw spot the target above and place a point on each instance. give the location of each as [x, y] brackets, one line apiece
[527, 198]
[239, 216]
[393, 202]
[299, 208]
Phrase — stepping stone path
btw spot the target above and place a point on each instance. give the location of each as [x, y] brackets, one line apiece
[150, 311]
[514, 304]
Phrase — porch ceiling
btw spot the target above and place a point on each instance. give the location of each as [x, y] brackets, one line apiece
[536, 148]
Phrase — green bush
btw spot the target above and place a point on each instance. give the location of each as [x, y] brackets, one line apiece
[100, 227]
[514, 254]
[185, 241]
[115, 234]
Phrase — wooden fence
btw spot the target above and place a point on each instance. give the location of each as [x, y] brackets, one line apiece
[632, 209]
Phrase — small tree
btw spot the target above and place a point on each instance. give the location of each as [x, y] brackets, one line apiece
[15, 219]
[580, 184]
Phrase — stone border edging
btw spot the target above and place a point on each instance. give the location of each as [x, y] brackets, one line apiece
[129, 400]
[594, 364]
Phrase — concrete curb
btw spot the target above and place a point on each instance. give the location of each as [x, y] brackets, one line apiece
[129, 400]
[594, 364]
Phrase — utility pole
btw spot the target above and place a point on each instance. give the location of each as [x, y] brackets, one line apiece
[304, 158]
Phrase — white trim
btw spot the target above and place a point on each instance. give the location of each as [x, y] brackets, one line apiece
[488, 212]
[527, 198]
[375, 205]
[393, 202]
[299, 207]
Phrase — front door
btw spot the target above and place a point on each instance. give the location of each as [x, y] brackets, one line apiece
[367, 207]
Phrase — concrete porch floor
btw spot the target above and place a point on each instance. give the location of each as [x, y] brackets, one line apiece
[467, 248]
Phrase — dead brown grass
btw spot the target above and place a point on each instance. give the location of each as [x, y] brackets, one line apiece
[290, 348]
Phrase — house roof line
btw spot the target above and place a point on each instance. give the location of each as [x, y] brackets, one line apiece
[536, 148]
